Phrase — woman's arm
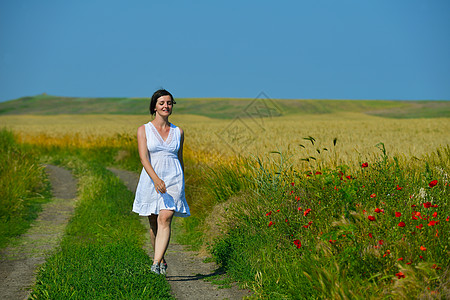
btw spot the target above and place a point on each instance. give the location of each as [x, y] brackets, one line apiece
[160, 186]
[180, 151]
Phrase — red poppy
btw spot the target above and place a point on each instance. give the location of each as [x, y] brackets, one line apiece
[435, 267]
[401, 224]
[432, 223]
[299, 209]
[371, 218]
[435, 214]
[365, 165]
[401, 258]
[419, 226]
[381, 242]
[420, 256]
[297, 243]
[292, 183]
[318, 173]
[305, 226]
[427, 204]
[373, 196]
[399, 188]
[278, 210]
[332, 241]
[270, 223]
[377, 210]
[416, 213]
[448, 218]
[306, 212]
[297, 198]
[349, 177]
[364, 211]
[268, 214]
[400, 275]
[414, 218]
[423, 248]
[286, 220]
[370, 235]
[408, 263]
[432, 183]
[398, 214]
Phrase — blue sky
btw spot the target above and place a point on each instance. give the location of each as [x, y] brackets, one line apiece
[286, 49]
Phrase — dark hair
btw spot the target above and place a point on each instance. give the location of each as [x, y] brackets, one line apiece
[155, 97]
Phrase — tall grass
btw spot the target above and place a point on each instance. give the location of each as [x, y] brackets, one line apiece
[23, 187]
[342, 232]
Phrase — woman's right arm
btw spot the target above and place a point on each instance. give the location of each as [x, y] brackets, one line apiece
[160, 186]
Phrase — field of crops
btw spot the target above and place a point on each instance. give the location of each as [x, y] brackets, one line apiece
[332, 205]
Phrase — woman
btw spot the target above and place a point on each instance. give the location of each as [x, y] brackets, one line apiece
[160, 191]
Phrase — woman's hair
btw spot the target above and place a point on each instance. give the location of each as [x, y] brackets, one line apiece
[155, 97]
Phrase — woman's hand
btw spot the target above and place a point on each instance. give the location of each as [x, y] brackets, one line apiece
[160, 186]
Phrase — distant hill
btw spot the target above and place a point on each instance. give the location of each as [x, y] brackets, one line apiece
[225, 108]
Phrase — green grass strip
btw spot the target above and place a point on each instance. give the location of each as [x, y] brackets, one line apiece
[101, 255]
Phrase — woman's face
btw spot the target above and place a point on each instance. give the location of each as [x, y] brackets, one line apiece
[164, 105]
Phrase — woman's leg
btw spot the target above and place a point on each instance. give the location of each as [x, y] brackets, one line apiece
[162, 237]
[153, 220]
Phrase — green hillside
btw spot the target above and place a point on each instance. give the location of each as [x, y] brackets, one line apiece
[225, 108]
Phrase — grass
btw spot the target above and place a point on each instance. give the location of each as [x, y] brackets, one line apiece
[23, 187]
[100, 255]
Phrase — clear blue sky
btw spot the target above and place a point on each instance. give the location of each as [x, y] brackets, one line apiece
[380, 49]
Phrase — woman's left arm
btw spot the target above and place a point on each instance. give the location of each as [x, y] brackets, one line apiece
[180, 151]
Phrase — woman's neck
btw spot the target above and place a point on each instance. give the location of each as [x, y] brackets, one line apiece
[161, 122]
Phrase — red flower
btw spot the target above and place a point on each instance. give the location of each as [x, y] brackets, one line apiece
[371, 218]
[399, 188]
[299, 209]
[318, 173]
[420, 256]
[292, 183]
[448, 218]
[398, 214]
[401, 224]
[373, 196]
[306, 212]
[268, 214]
[414, 218]
[435, 214]
[419, 226]
[377, 210]
[370, 235]
[270, 223]
[286, 220]
[365, 165]
[432, 183]
[432, 223]
[427, 204]
[297, 198]
[278, 210]
[408, 263]
[401, 258]
[416, 213]
[400, 275]
[423, 248]
[297, 243]
[349, 177]
[332, 241]
[381, 242]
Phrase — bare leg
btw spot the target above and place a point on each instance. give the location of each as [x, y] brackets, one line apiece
[153, 220]
[163, 235]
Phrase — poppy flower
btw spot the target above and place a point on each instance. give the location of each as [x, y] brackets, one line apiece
[332, 241]
[381, 242]
[401, 224]
[448, 218]
[298, 243]
[306, 212]
[398, 214]
[270, 223]
[318, 173]
[370, 235]
[417, 213]
[292, 183]
[432, 223]
[432, 183]
[400, 275]
[365, 165]
[408, 263]
[371, 218]
[427, 204]
[414, 218]
[286, 220]
[278, 210]
[420, 256]
[398, 188]
[419, 226]
[349, 177]
[268, 214]
[299, 208]
[423, 248]
[435, 214]
[401, 258]
[377, 210]
[373, 196]
[297, 198]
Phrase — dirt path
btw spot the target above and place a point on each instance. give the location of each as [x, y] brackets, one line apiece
[19, 261]
[186, 269]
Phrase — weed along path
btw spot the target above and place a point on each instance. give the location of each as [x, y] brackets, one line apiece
[19, 261]
[186, 271]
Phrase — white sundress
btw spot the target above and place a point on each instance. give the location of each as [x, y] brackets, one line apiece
[163, 156]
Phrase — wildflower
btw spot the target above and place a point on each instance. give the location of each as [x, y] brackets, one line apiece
[398, 214]
[432, 183]
[373, 196]
[435, 267]
[365, 165]
[399, 188]
[417, 213]
[377, 210]
[401, 224]
[435, 214]
[318, 173]
[297, 198]
[298, 243]
[420, 256]
[410, 262]
[364, 211]
[268, 214]
[270, 223]
[432, 223]
[306, 212]
[427, 204]
[371, 218]
[286, 220]
[400, 259]
[400, 275]
[414, 218]
[332, 241]
[370, 235]
[278, 210]
[381, 242]
[292, 183]
[299, 208]
[448, 218]
[423, 248]
[419, 226]
[349, 177]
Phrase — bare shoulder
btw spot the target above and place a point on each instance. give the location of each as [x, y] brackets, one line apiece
[181, 131]
[141, 131]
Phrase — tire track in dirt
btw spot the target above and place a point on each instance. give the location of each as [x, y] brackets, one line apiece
[186, 269]
[20, 261]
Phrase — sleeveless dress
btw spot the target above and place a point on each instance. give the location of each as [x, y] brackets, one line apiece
[163, 156]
